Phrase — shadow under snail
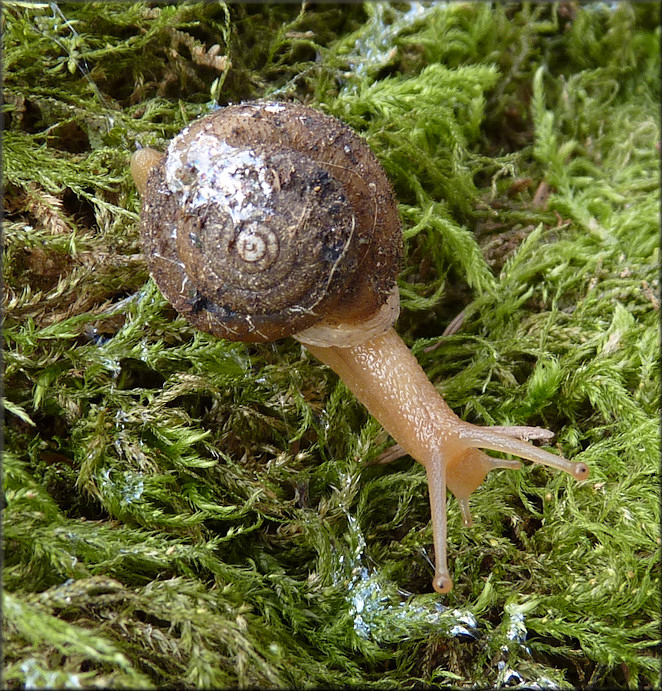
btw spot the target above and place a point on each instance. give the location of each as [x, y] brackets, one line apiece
[264, 220]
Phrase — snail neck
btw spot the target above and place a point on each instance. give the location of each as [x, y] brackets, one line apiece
[384, 375]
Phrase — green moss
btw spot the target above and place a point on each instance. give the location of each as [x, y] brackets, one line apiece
[184, 511]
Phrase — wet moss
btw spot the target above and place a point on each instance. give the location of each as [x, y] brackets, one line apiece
[184, 511]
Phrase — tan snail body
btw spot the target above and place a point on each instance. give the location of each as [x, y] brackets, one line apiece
[265, 220]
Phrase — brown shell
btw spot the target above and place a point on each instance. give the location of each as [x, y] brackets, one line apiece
[265, 218]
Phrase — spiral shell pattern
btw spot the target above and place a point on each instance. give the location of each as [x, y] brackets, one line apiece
[253, 233]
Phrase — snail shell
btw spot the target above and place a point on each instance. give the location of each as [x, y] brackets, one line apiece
[267, 219]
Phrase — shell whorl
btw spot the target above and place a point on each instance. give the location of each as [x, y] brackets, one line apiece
[262, 219]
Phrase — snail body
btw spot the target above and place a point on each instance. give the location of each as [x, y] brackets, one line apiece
[265, 220]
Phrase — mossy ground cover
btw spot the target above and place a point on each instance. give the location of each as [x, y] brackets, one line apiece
[183, 511]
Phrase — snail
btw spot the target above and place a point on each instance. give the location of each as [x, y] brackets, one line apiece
[267, 219]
